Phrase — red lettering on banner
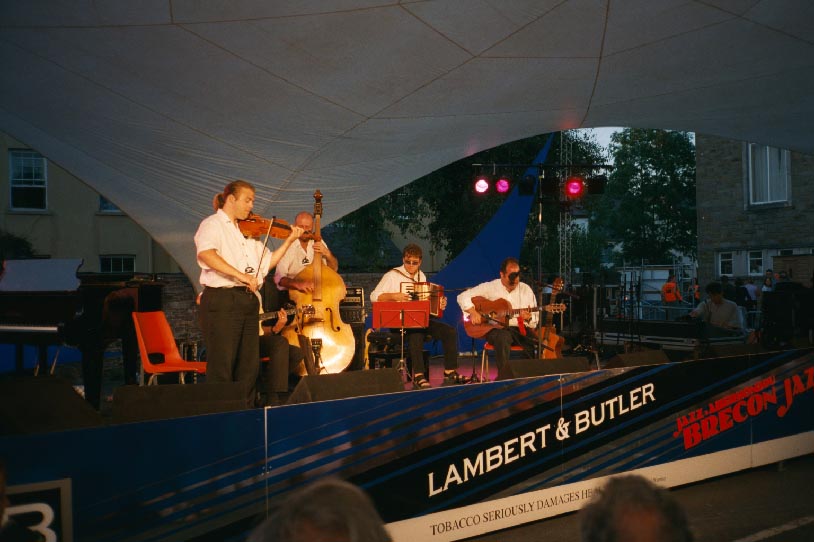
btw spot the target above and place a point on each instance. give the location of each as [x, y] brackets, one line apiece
[731, 410]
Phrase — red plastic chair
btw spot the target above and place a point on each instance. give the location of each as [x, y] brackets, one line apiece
[484, 359]
[155, 337]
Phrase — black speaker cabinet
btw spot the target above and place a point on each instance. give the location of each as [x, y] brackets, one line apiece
[349, 384]
[41, 404]
[523, 368]
[164, 401]
[634, 359]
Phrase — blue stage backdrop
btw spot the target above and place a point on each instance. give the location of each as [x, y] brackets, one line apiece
[480, 260]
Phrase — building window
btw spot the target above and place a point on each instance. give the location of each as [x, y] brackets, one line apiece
[725, 263]
[107, 206]
[768, 174]
[117, 263]
[28, 177]
[755, 262]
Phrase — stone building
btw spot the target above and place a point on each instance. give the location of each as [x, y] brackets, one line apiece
[754, 203]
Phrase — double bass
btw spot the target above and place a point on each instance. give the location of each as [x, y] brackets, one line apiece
[331, 339]
[550, 342]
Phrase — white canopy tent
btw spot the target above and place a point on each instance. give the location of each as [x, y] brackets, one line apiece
[157, 104]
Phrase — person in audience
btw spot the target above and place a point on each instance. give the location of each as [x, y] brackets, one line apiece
[717, 311]
[630, 508]
[328, 510]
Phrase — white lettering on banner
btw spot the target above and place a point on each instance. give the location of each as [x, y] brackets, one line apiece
[490, 459]
[613, 407]
[46, 518]
[531, 442]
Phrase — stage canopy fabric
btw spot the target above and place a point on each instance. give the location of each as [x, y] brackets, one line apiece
[157, 104]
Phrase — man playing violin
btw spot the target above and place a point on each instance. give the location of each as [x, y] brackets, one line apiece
[518, 294]
[232, 269]
[389, 289]
[300, 255]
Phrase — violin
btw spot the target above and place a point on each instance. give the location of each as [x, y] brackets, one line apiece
[257, 226]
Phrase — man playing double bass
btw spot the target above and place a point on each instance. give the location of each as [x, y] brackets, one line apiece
[521, 298]
[300, 255]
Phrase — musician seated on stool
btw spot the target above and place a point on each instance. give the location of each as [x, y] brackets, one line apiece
[284, 359]
[301, 255]
[389, 289]
[519, 295]
[718, 311]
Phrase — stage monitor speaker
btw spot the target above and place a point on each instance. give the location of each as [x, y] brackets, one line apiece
[634, 359]
[41, 404]
[164, 401]
[523, 368]
[343, 385]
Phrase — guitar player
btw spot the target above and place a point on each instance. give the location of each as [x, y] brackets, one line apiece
[521, 297]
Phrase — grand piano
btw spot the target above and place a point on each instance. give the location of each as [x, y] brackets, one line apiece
[48, 302]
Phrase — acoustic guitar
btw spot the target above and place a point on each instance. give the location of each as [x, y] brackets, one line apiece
[494, 314]
[550, 342]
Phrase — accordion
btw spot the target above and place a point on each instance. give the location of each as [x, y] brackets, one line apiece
[426, 291]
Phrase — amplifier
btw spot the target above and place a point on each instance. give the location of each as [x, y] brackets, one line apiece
[352, 308]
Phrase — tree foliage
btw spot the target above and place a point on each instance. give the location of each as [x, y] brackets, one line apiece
[649, 205]
[443, 209]
[13, 247]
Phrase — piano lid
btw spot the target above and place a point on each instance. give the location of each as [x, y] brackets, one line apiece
[45, 275]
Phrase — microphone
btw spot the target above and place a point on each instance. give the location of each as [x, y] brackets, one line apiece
[513, 276]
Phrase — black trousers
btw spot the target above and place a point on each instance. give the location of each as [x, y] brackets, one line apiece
[439, 331]
[502, 340]
[283, 359]
[231, 330]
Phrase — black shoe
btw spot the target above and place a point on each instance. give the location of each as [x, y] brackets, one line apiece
[450, 379]
[420, 383]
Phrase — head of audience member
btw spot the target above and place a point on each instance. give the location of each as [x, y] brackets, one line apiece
[630, 508]
[412, 256]
[510, 273]
[715, 291]
[328, 510]
[724, 279]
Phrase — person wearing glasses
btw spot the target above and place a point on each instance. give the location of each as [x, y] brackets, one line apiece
[232, 269]
[300, 255]
[389, 289]
[521, 297]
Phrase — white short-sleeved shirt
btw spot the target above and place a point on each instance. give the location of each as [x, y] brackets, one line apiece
[295, 260]
[522, 297]
[391, 281]
[218, 232]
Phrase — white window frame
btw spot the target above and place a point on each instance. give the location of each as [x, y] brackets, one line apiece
[768, 174]
[755, 256]
[723, 257]
[114, 263]
[28, 169]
